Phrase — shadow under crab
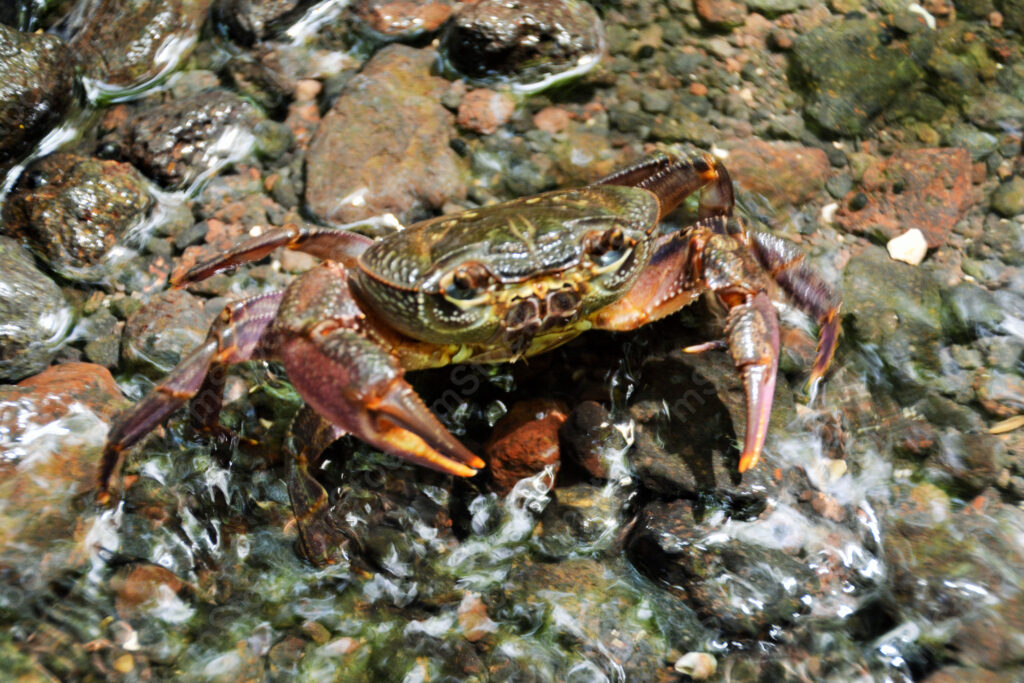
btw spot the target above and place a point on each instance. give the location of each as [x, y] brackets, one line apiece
[494, 284]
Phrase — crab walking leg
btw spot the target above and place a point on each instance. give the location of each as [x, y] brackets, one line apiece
[684, 266]
[233, 338]
[310, 436]
[324, 243]
[784, 261]
[672, 179]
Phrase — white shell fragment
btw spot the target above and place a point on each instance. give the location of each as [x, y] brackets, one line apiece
[697, 665]
[910, 247]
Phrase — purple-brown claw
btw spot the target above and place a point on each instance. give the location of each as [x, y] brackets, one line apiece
[753, 333]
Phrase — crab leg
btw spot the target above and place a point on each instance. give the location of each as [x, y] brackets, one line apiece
[233, 338]
[310, 436]
[324, 243]
[805, 286]
[686, 264]
[672, 179]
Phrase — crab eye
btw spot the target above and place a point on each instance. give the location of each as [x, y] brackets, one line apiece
[465, 282]
[607, 248]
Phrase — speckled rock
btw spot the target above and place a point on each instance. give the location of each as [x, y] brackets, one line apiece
[167, 327]
[176, 142]
[850, 74]
[402, 19]
[123, 44]
[784, 172]
[247, 21]
[383, 147]
[484, 111]
[36, 317]
[527, 41]
[927, 189]
[36, 75]
[74, 210]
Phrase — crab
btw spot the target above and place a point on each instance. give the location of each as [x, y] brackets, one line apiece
[494, 284]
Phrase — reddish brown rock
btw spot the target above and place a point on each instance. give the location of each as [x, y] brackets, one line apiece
[524, 442]
[402, 18]
[484, 111]
[143, 587]
[721, 13]
[384, 145]
[552, 119]
[927, 189]
[51, 431]
[786, 173]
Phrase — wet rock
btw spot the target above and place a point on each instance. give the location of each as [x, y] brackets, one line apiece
[167, 327]
[944, 573]
[581, 602]
[484, 111]
[721, 14]
[742, 588]
[580, 518]
[897, 309]
[36, 78]
[526, 41]
[74, 210]
[52, 426]
[143, 589]
[524, 442]
[394, 519]
[850, 73]
[247, 21]
[972, 461]
[970, 310]
[126, 44]
[402, 19]
[591, 438]
[1008, 199]
[36, 317]
[177, 142]
[688, 416]
[786, 173]
[383, 147]
[1000, 393]
[927, 189]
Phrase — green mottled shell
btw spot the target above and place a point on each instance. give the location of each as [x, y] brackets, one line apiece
[518, 241]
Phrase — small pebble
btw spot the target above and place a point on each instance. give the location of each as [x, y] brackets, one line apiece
[697, 665]
[910, 247]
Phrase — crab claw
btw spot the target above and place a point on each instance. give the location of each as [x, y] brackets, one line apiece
[360, 388]
[753, 335]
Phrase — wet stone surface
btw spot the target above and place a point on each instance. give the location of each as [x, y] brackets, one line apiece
[177, 142]
[876, 539]
[74, 210]
[522, 40]
[36, 316]
[125, 44]
[35, 90]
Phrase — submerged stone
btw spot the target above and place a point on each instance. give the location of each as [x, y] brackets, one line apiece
[35, 316]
